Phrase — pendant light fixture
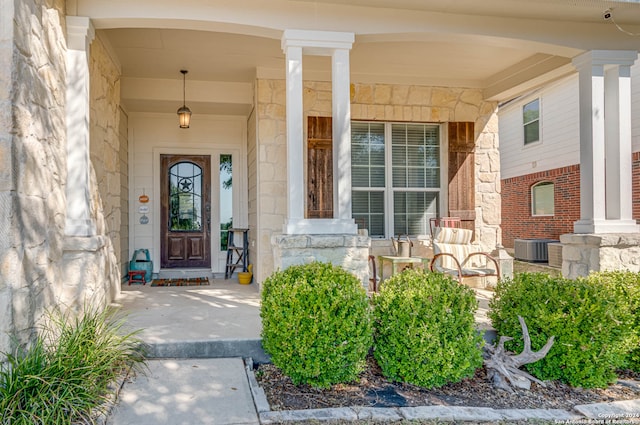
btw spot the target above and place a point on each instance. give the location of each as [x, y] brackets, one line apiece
[184, 113]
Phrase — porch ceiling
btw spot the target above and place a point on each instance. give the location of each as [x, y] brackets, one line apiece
[503, 47]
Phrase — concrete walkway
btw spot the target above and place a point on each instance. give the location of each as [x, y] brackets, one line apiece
[187, 392]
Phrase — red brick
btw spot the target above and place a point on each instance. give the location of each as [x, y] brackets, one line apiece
[517, 221]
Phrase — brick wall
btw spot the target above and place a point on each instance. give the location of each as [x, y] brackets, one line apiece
[635, 177]
[517, 221]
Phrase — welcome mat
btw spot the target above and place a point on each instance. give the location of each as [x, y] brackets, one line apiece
[191, 281]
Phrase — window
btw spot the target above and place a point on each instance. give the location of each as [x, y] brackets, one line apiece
[531, 121]
[401, 198]
[542, 202]
[226, 199]
[185, 199]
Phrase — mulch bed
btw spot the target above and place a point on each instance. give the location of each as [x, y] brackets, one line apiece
[374, 390]
[193, 281]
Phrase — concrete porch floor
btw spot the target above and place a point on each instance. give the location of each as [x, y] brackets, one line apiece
[217, 320]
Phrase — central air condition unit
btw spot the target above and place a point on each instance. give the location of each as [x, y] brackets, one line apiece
[532, 250]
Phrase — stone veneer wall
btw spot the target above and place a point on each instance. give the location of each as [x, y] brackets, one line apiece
[271, 154]
[582, 254]
[8, 246]
[384, 102]
[35, 270]
[349, 251]
[252, 188]
[105, 155]
[123, 136]
[33, 164]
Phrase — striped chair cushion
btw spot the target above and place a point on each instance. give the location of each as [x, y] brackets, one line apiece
[456, 242]
[451, 235]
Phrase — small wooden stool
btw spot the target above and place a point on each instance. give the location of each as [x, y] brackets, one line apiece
[137, 276]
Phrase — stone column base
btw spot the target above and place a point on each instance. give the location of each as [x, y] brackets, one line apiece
[91, 273]
[351, 252]
[584, 253]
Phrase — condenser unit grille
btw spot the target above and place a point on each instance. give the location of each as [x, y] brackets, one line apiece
[555, 254]
[532, 250]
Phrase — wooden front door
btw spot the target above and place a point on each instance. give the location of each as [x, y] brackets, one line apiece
[186, 211]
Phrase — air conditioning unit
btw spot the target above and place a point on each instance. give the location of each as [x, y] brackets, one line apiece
[532, 250]
[555, 254]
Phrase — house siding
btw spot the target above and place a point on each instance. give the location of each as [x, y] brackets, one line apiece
[154, 134]
[559, 128]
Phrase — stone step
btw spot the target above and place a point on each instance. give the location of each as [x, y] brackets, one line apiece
[208, 349]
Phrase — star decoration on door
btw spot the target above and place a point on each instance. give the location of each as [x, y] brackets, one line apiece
[185, 184]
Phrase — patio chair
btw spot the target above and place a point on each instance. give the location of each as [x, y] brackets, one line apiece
[455, 255]
[434, 223]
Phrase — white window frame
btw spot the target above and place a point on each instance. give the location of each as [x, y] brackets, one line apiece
[539, 120]
[388, 190]
[533, 198]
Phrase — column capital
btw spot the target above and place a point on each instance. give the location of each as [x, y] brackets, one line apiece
[605, 57]
[80, 32]
[318, 43]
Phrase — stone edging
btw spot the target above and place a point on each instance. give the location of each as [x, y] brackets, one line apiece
[615, 412]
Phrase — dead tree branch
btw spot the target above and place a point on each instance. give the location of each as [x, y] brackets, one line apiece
[503, 367]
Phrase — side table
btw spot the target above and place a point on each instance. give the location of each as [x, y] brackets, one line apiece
[394, 261]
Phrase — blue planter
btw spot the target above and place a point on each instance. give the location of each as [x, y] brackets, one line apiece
[142, 264]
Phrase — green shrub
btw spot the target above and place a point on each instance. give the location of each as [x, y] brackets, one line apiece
[64, 377]
[316, 323]
[424, 331]
[590, 325]
[627, 286]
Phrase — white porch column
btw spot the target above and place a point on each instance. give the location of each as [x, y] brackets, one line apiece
[605, 142]
[295, 43]
[295, 134]
[341, 122]
[80, 34]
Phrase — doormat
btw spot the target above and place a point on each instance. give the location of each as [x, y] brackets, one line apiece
[182, 281]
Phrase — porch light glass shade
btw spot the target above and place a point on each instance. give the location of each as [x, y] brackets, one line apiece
[184, 116]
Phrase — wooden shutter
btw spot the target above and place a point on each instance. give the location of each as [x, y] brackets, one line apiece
[462, 189]
[319, 168]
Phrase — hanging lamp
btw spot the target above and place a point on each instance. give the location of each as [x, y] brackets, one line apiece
[184, 113]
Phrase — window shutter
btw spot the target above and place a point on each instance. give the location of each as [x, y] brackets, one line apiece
[319, 168]
[462, 193]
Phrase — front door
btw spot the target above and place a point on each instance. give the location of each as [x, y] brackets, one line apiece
[186, 211]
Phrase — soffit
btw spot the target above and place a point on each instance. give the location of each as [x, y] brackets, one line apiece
[495, 45]
[626, 11]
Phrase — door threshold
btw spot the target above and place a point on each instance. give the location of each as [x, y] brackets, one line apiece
[178, 273]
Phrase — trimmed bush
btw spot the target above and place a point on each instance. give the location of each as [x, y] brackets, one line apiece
[424, 330]
[316, 324]
[591, 326]
[627, 286]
